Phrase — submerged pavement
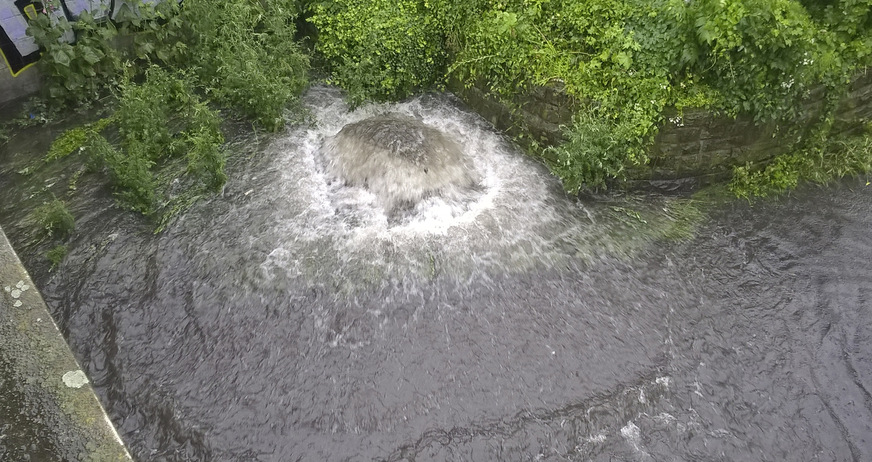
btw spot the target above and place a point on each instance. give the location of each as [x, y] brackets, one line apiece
[48, 410]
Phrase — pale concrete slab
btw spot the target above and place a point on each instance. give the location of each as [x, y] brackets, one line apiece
[48, 410]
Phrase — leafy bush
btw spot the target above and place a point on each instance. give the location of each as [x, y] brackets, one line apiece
[158, 121]
[79, 72]
[379, 49]
[595, 151]
[591, 48]
[763, 56]
[834, 158]
[243, 55]
[627, 60]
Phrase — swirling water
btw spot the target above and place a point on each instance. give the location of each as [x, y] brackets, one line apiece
[290, 318]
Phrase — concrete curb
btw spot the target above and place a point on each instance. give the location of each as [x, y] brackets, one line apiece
[48, 410]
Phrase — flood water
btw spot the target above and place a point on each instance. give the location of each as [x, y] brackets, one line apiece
[291, 318]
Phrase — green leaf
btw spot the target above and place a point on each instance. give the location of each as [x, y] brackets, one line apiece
[90, 55]
[623, 59]
[61, 57]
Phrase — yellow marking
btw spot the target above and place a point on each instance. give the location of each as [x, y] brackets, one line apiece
[8, 66]
[30, 11]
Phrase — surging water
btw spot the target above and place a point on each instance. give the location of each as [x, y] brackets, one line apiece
[400, 160]
[326, 230]
[292, 318]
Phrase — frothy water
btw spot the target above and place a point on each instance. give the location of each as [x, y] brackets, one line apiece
[515, 217]
[294, 317]
[400, 160]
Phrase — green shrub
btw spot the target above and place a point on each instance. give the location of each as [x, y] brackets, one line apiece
[158, 121]
[379, 49]
[625, 58]
[79, 72]
[54, 219]
[242, 54]
[834, 158]
[596, 150]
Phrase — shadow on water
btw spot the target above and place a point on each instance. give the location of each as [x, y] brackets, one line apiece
[290, 319]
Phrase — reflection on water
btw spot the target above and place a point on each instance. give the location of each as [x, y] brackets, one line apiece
[292, 319]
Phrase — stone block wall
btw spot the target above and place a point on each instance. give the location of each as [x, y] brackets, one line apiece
[695, 150]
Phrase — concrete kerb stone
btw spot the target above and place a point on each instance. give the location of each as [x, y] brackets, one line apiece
[48, 380]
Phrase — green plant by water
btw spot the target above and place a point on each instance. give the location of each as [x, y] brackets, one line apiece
[56, 255]
[54, 220]
[625, 62]
[174, 68]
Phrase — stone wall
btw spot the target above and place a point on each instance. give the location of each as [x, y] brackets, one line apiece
[696, 149]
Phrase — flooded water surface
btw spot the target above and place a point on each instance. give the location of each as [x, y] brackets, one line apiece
[292, 317]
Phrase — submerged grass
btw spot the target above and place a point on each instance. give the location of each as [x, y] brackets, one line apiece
[56, 255]
[75, 138]
[54, 219]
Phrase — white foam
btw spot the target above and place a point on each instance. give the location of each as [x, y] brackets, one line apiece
[515, 219]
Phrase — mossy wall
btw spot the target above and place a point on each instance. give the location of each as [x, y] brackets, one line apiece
[692, 149]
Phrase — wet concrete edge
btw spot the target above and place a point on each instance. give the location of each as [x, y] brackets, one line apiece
[50, 382]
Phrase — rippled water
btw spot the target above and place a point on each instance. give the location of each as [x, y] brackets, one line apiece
[292, 319]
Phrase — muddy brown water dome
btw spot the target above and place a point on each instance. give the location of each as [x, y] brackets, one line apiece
[399, 159]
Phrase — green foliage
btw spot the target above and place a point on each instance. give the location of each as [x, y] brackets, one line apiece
[821, 164]
[595, 151]
[849, 22]
[763, 56]
[242, 54]
[159, 121]
[624, 58]
[54, 219]
[75, 138]
[624, 61]
[379, 49]
[628, 60]
[129, 172]
[56, 255]
[81, 72]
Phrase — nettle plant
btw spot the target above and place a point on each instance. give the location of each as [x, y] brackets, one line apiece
[160, 122]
